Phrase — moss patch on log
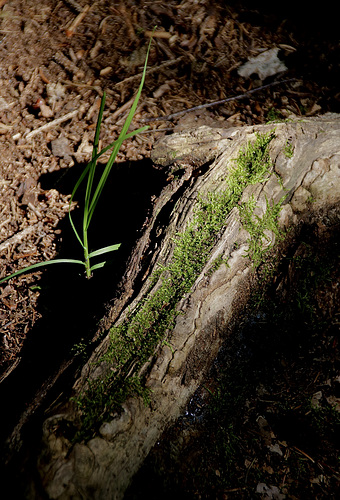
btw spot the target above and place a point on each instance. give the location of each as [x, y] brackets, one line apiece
[136, 339]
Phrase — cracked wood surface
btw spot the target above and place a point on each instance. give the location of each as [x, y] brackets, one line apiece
[103, 467]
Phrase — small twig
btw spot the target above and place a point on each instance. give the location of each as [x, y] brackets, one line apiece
[150, 71]
[215, 103]
[126, 15]
[250, 466]
[304, 454]
[56, 122]
[16, 238]
[64, 61]
[83, 85]
[72, 28]
[10, 369]
[75, 5]
[157, 34]
[5, 128]
[121, 110]
[232, 490]
[43, 76]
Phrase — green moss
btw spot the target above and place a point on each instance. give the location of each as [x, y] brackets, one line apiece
[288, 149]
[274, 115]
[216, 265]
[259, 229]
[134, 342]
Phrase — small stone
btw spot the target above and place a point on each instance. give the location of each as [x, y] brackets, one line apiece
[61, 148]
[265, 64]
[268, 492]
[275, 448]
[316, 399]
[106, 71]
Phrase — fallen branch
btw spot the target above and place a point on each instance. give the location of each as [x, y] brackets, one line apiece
[215, 103]
[16, 238]
[56, 122]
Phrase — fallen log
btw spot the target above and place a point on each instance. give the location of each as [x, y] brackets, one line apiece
[231, 196]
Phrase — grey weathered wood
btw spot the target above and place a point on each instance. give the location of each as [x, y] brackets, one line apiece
[102, 468]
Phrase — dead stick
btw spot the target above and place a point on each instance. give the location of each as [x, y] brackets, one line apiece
[13, 240]
[304, 454]
[56, 122]
[215, 103]
[71, 29]
[170, 62]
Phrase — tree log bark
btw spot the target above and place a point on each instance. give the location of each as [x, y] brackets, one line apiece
[306, 155]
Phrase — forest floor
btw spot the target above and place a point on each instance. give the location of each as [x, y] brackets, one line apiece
[57, 57]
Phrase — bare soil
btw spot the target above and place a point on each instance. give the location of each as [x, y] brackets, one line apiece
[56, 60]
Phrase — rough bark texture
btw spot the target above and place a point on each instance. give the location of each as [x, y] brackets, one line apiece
[103, 467]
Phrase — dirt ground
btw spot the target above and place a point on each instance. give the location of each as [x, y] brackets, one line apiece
[56, 59]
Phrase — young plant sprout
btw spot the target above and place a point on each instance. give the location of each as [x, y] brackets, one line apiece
[92, 193]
